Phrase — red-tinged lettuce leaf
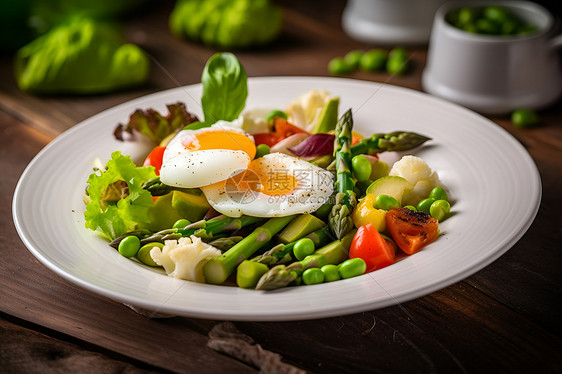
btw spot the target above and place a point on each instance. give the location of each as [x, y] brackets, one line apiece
[314, 146]
[115, 218]
[152, 124]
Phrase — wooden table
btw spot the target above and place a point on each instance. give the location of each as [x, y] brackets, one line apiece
[504, 318]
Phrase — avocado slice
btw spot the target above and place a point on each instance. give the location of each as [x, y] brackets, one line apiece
[299, 227]
[190, 206]
[163, 215]
[328, 117]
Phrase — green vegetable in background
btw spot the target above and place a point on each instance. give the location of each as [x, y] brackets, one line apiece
[227, 23]
[493, 20]
[524, 118]
[338, 66]
[118, 203]
[373, 60]
[80, 56]
[225, 88]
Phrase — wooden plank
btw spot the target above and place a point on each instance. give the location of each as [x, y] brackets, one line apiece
[26, 351]
[458, 329]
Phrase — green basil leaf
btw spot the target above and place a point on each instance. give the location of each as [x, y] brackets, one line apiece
[225, 88]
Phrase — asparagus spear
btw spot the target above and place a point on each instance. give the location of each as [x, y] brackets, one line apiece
[157, 188]
[218, 269]
[394, 141]
[224, 244]
[249, 272]
[340, 216]
[282, 252]
[204, 229]
[281, 275]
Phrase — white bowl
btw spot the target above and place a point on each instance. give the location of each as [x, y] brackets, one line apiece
[390, 21]
[495, 74]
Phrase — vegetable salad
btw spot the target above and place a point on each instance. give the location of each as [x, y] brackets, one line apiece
[264, 198]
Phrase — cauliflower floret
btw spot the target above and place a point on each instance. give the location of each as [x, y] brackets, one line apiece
[419, 174]
[305, 110]
[252, 121]
[184, 258]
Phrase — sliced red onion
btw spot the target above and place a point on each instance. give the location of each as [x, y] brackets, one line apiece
[314, 146]
[284, 145]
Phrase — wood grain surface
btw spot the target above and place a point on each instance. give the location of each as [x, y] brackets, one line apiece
[505, 318]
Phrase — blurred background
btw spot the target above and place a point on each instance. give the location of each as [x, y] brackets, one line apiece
[61, 47]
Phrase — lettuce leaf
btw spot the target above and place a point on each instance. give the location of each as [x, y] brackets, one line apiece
[154, 125]
[114, 216]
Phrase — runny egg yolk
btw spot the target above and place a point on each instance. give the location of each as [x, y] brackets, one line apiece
[259, 177]
[220, 139]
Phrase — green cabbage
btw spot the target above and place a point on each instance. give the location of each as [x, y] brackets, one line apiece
[118, 203]
[227, 23]
[80, 56]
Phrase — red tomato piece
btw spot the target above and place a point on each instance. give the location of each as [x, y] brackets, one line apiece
[411, 230]
[155, 158]
[372, 247]
[283, 129]
[267, 138]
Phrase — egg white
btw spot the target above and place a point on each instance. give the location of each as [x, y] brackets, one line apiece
[314, 188]
[190, 169]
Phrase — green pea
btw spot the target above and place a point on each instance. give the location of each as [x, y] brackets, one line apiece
[509, 27]
[276, 113]
[439, 193]
[331, 273]
[312, 276]
[425, 204]
[466, 16]
[524, 118]
[144, 253]
[129, 246]
[386, 202]
[338, 66]
[352, 267]
[439, 209]
[302, 248]
[397, 66]
[262, 150]
[352, 58]
[181, 223]
[485, 26]
[373, 60]
[361, 168]
[399, 53]
[411, 207]
[496, 13]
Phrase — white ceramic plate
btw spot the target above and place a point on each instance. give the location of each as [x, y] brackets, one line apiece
[494, 185]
